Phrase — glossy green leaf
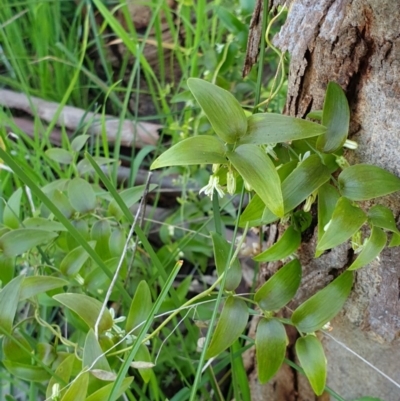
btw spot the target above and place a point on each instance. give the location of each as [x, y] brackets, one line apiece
[271, 342]
[59, 155]
[87, 308]
[327, 200]
[312, 359]
[18, 241]
[116, 242]
[93, 355]
[283, 248]
[12, 210]
[143, 355]
[79, 142]
[395, 241]
[221, 108]
[7, 269]
[140, 308]
[371, 249]
[26, 372]
[130, 196]
[323, 306]
[233, 321]
[253, 213]
[257, 169]
[62, 374]
[336, 119]
[315, 115]
[82, 227]
[363, 182]
[35, 285]
[279, 289]
[81, 195]
[221, 253]
[78, 389]
[101, 232]
[346, 221]
[103, 393]
[17, 348]
[303, 181]
[267, 128]
[9, 296]
[43, 224]
[74, 260]
[382, 217]
[204, 149]
[62, 203]
[46, 353]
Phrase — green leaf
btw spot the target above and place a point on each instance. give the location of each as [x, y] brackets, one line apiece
[143, 355]
[87, 308]
[395, 241]
[78, 389]
[257, 169]
[315, 115]
[43, 224]
[271, 342]
[103, 393]
[9, 297]
[62, 203]
[46, 353]
[204, 149]
[221, 108]
[16, 348]
[368, 399]
[303, 181]
[346, 220]
[79, 142]
[27, 372]
[371, 249]
[101, 232]
[35, 285]
[81, 195]
[283, 248]
[364, 182]
[327, 200]
[7, 269]
[382, 217]
[336, 119]
[140, 308]
[312, 359]
[253, 212]
[74, 260]
[62, 374]
[59, 155]
[221, 253]
[267, 128]
[130, 196]
[280, 289]
[21, 240]
[92, 352]
[116, 242]
[233, 321]
[12, 210]
[323, 306]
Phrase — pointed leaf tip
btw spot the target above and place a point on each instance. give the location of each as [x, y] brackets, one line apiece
[221, 108]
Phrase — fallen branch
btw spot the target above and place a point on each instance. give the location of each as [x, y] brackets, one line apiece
[73, 118]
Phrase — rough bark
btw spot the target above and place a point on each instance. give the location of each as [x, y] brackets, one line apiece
[355, 43]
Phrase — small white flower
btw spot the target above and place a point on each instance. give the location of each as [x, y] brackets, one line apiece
[309, 201]
[350, 144]
[305, 156]
[55, 392]
[230, 182]
[213, 183]
[270, 150]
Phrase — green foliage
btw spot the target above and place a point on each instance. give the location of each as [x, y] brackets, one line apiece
[82, 301]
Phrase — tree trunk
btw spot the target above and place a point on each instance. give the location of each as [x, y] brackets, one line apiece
[355, 43]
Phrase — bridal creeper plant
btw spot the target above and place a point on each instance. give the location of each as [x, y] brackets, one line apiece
[283, 161]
